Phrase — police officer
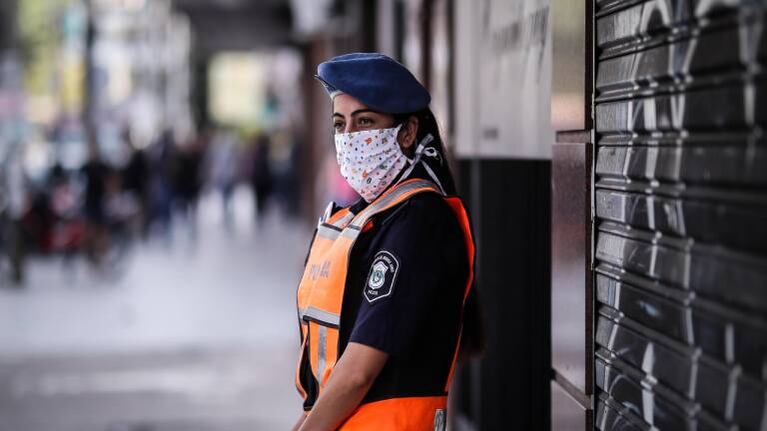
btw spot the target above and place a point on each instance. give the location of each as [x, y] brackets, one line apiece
[383, 296]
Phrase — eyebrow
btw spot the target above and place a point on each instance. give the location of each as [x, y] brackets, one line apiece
[357, 112]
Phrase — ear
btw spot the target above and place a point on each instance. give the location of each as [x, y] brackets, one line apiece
[407, 134]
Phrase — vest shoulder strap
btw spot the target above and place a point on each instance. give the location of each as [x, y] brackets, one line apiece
[394, 196]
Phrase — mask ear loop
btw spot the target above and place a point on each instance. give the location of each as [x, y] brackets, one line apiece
[433, 176]
[421, 150]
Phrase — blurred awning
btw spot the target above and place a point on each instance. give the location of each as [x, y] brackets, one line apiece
[231, 25]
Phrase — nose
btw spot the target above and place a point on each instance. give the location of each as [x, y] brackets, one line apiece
[350, 127]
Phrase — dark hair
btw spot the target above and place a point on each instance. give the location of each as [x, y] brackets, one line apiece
[472, 338]
[427, 125]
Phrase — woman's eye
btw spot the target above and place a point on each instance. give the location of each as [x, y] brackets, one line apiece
[338, 126]
[365, 121]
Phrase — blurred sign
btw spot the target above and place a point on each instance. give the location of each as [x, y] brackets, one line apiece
[237, 88]
[508, 85]
[515, 84]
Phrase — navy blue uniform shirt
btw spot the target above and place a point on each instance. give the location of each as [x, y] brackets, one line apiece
[413, 311]
[416, 316]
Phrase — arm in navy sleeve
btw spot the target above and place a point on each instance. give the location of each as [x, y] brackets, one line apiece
[425, 239]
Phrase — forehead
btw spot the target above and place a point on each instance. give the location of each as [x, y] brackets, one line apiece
[345, 104]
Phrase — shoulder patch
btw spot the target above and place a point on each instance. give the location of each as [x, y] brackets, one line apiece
[383, 274]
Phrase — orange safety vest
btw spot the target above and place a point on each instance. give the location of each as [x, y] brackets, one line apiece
[320, 297]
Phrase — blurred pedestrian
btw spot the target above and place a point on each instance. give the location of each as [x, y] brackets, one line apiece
[188, 181]
[293, 177]
[95, 172]
[261, 176]
[223, 162]
[69, 229]
[135, 181]
[161, 184]
[17, 206]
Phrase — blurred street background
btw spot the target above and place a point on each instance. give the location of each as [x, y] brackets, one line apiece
[172, 344]
[150, 233]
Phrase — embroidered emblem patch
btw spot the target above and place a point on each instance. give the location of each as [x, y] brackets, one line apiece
[383, 274]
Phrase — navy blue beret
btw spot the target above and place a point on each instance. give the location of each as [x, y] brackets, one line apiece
[375, 80]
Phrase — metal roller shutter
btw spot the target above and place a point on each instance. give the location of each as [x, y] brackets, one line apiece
[680, 202]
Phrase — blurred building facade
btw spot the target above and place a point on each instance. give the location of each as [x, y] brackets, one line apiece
[139, 74]
[113, 64]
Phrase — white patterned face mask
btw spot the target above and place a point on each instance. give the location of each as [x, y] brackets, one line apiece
[370, 160]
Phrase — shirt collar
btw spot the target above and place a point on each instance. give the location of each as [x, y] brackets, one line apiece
[418, 172]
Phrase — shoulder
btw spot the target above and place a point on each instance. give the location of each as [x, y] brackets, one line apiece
[422, 207]
[428, 201]
[425, 216]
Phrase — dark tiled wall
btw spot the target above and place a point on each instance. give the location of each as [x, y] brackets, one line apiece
[510, 202]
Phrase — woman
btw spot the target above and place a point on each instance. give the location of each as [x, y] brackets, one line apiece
[382, 298]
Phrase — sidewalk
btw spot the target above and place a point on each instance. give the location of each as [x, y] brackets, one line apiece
[198, 335]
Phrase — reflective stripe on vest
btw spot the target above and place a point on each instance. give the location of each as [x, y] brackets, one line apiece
[320, 296]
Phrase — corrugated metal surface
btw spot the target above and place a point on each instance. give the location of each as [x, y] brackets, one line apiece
[681, 215]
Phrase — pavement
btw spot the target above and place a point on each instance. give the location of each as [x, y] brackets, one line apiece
[198, 334]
